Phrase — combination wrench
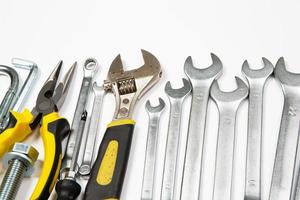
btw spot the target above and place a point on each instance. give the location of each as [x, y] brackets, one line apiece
[287, 160]
[228, 104]
[154, 113]
[201, 80]
[176, 98]
[256, 80]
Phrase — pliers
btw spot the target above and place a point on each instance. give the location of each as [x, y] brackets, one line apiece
[53, 129]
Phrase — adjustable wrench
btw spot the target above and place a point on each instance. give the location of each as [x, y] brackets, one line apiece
[150, 157]
[256, 81]
[287, 160]
[228, 104]
[201, 80]
[176, 98]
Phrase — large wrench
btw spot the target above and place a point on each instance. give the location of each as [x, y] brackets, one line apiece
[176, 98]
[151, 147]
[228, 104]
[287, 160]
[256, 81]
[201, 80]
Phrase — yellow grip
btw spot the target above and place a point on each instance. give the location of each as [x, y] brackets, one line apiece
[18, 129]
[51, 128]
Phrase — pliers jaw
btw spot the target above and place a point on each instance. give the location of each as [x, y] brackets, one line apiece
[51, 98]
[130, 86]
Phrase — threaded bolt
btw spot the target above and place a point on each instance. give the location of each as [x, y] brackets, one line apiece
[20, 163]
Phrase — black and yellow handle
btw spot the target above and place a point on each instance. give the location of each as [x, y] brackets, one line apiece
[108, 172]
[52, 128]
[17, 130]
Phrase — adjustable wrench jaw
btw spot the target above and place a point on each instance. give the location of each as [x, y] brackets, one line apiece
[129, 86]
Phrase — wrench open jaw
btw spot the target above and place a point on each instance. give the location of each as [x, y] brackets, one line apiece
[228, 104]
[179, 92]
[155, 109]
[256, 80]
[287, 159]
[130, 86]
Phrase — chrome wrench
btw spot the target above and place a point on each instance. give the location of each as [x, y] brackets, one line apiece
[287, 159]
[228, 104]
[73, 146]
[176, 98]
[256, 81]
[154, 114]
[87, 161]
[201, 80]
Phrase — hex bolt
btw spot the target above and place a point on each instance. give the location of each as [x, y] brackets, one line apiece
[19, 163]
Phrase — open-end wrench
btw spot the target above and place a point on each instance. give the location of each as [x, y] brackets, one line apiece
[151, 147]
[287, 165]
[256, 81]
[176, 98]
[87, 160]
[201, 80]
[228, 104]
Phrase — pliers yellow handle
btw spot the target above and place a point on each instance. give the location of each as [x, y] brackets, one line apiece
[52, 128]
[17, 130]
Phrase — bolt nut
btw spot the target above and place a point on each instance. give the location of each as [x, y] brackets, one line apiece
[24, 153]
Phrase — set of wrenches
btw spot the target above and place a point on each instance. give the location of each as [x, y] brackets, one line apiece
[203, 85]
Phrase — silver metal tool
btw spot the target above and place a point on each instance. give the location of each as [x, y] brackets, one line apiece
[201, 80]
[19, 163]
[287, 160]
[87, 160]
[228, 104]
[69, 164]
[10, 95]
[154, 114]
[256, 81]
[176, 98]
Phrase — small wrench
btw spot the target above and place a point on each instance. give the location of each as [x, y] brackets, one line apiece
[256, 81]
[228, 104]
[154, 114]
[201, 80]
[287, 160]
[87, 160]
[176, 98]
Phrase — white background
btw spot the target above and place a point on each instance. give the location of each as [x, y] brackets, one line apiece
[47, 31]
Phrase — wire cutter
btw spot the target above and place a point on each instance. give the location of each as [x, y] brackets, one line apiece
[53, 129]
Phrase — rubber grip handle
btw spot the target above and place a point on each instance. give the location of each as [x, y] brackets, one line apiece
[52, 129]
[17, 130]
[108, 172]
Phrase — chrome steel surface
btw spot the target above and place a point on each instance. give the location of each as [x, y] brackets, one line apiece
[256, 81]
[287, 159]
[69, 163]
[154, 114]
[95, 119]
[228, 104]
[201, 80]
[176, 98]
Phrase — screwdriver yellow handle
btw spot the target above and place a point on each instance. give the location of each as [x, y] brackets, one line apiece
[52, 128]
[108, 172]
[16, 131]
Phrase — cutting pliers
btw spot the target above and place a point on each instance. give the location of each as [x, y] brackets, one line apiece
[53, 129]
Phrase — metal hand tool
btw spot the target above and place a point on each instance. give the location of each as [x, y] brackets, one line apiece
[16, 99]
[10, 95]
[201, 80]
[19, 163]
[256, 80]
[154, 114]
[287, 160]
[87, 161]
[53, 129]
[176, 97]
[67, 187]
[109, 169]
[228, 104]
